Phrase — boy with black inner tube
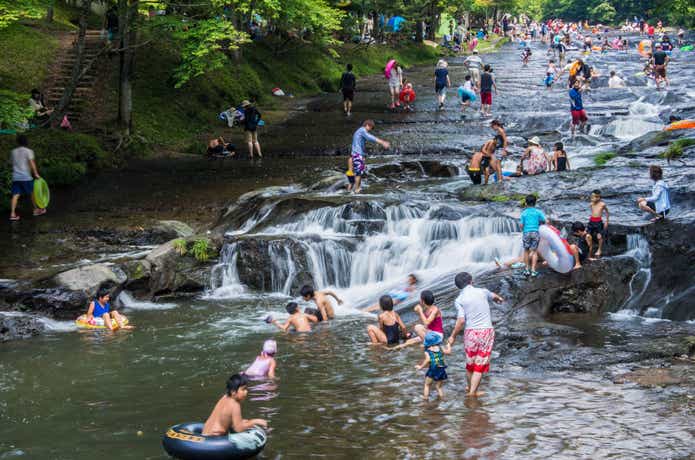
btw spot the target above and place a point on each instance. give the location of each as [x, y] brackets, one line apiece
[226, 418]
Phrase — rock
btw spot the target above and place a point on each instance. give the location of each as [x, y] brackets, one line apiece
[652, 377]
[138, 273]
[166, 230]
[439, 169]
[14, 327]
[172, 273]
[89, 278]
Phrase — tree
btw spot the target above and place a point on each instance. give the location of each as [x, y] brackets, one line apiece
[603, 13]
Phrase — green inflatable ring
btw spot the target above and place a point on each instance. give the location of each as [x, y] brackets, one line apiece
[42, 195]
[687, 48]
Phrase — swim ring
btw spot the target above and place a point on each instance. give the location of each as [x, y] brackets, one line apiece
[389, 66]
[554, 249]
[186, 442]
[96, 323]
[645, 47]
[682, 124]
[42, 195]
[687, 47]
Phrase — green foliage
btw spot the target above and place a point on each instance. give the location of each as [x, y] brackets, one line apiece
[26, 54]
[181, 246]
[14, 110]
[602, 158]
[201, 250]
[603, 12]
[12, 11]
[675, 150]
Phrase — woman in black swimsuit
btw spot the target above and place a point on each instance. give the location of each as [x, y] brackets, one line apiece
[560, 160]
[390, 325]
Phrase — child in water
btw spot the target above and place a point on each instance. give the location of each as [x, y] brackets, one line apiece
[226, 416]
[301, 322]
[597, 227]
[265, 364]
[434, 361]
[407, 96]
[391, 327]
[550, 73]
[100, 311]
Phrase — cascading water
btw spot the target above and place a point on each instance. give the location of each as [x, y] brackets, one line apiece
[369, 247]
[638, 248]
[224, 279]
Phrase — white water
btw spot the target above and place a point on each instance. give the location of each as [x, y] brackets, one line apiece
[132, 304]
[359, 266]
[50, 324]
[638, 248]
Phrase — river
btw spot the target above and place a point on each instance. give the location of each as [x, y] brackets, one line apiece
[551, 392]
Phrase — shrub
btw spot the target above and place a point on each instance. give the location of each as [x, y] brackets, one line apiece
[201, 250]
[181, 246]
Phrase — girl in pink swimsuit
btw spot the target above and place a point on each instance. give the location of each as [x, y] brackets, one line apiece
[264, 365]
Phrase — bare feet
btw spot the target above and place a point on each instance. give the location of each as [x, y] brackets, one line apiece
[598, 254]
[476, 394]
[577, 267]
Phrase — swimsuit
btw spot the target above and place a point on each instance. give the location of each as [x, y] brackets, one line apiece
[437, 326]
[259, 368]
[437, 369]
[100, 310]
[595, 226]
[393, 333]
[358, 165]
[474, 174]
[562, 163]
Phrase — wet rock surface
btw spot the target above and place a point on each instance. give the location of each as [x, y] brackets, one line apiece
[19, 327]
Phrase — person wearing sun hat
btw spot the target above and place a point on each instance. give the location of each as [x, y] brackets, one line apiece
[434, 361]
[252, 117]
[534, 160]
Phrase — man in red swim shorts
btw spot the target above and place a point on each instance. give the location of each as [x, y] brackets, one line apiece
[577, 107]
[474, 312]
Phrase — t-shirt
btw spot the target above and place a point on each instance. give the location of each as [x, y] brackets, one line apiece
[474, 62]
[472, 305]
[486, 82]
[659, 57]
[440, 77]
[468, 85]
[396, 76]
[21, 170]
[576, 98]
[532, 219]
[251, 118]
[616, 82]
[347, 81]
[359, 139]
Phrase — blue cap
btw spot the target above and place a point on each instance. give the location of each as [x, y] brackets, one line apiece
[432, 338]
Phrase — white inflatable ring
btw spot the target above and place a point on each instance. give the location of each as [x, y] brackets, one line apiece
[555, 250]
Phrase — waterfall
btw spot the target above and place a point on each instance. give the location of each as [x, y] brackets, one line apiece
[331, 245]
[638, 248]
[224, 278]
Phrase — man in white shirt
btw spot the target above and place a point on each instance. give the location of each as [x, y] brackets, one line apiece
[23, 174]
[473, 309]
[474, 65]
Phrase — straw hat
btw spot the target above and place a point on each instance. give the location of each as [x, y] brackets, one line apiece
[245, 103]
[535, 141]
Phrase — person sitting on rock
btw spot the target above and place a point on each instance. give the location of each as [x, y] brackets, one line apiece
[38, 105]
[582, 244]
[219, 148]
[100, 310]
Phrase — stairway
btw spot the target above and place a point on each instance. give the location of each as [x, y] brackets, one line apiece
[61, 73]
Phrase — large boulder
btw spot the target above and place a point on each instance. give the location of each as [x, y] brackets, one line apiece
[165, 230]
[89, 278]
[172, 273]
[14, 327]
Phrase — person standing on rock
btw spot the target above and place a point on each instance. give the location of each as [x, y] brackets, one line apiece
[395, 78]
[441, 82]
[487, 84]
[359, 139]
[577, 107]
[473, 310]
[252, 117]
[23, 174]
[347, 86]
[474, 65]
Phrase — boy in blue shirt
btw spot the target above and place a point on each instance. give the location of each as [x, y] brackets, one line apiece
[531, 219]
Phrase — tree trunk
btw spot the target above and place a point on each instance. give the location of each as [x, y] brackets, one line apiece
[49, 11]
[419, 32]
[76, 74]
[127, 33]
[467, 19]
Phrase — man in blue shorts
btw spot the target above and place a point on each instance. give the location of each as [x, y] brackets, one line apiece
[359, 139]
[23, 173]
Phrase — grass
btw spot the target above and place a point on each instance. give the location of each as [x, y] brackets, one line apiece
[602, 158]
[174, 117]
[675, 150]
[26, 53]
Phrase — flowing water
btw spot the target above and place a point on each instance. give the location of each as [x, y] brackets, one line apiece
[83, 395]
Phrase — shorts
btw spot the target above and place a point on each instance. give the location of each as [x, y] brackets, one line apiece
[251, 136]
[465, 97]
[595, 228]
[485, 163]
[660, 71]
[396, 87]
[358, 166]
[475, 175]
[437, 374]
[652, 205]
[351, 179]
[440, 90]
[399, 295]
[348, 95]
[530, 240]
[22, 187]
[486, 98]
[314, 311]
[579, 116]
[478, 344]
